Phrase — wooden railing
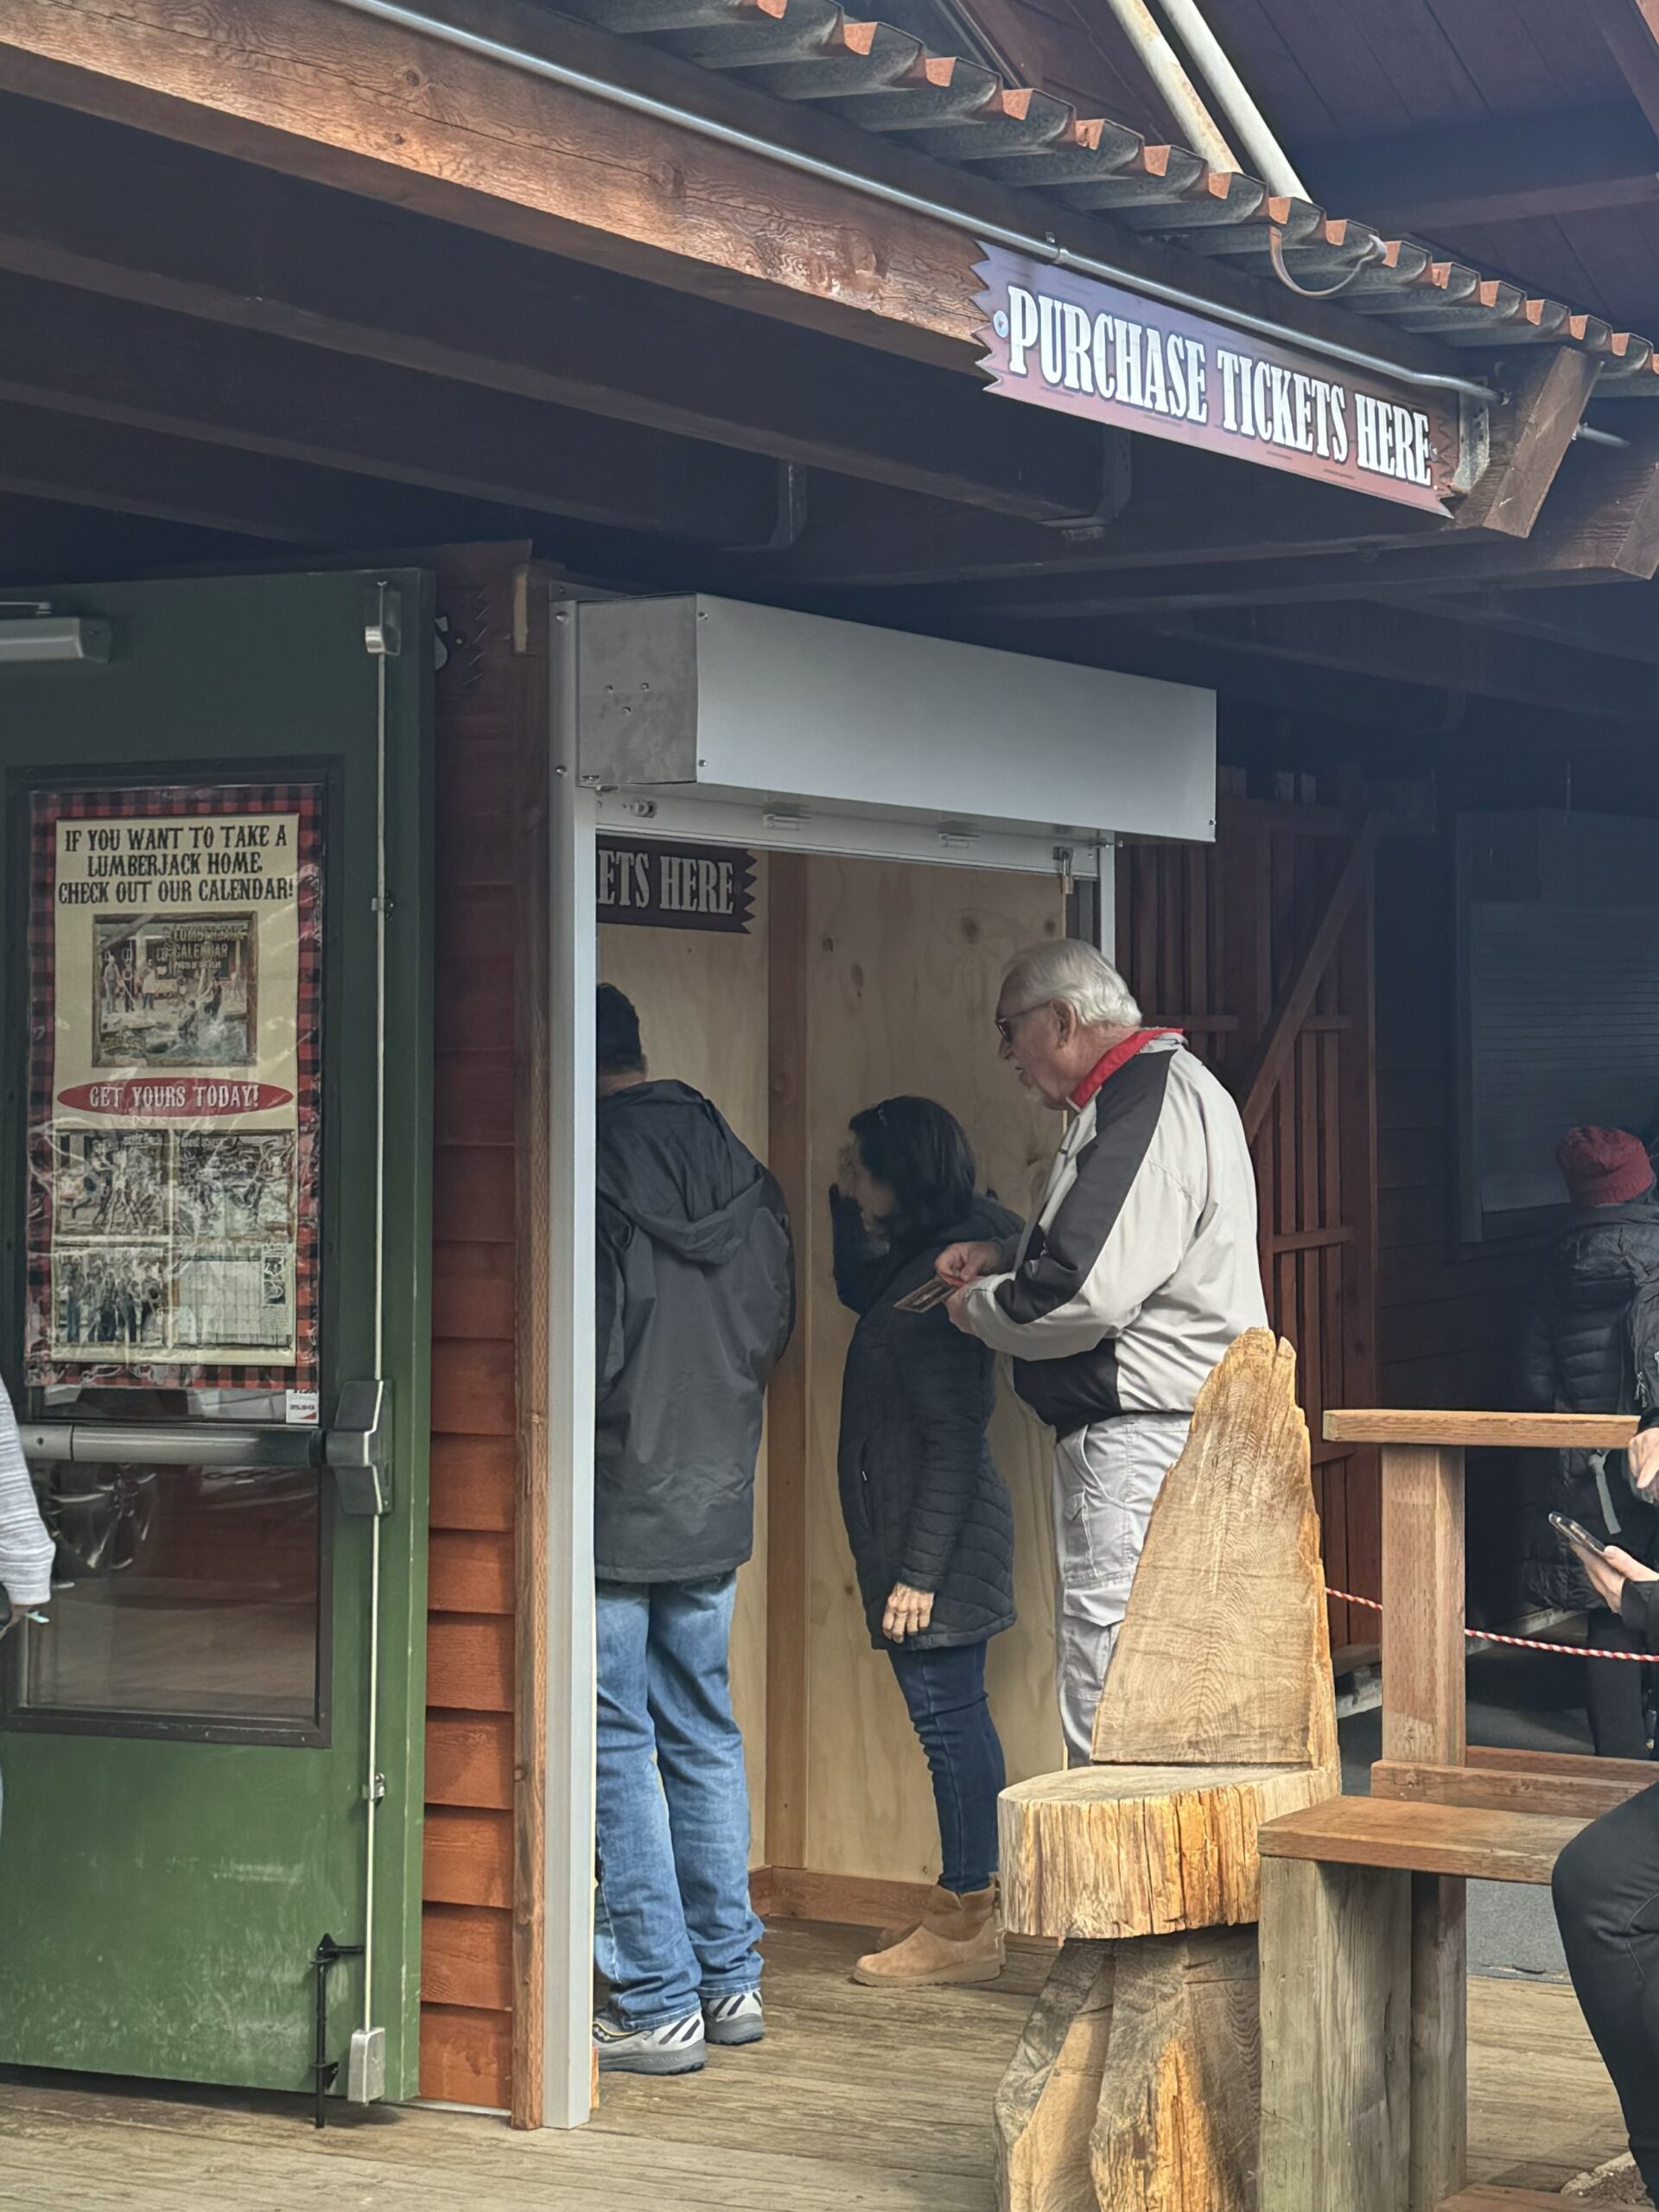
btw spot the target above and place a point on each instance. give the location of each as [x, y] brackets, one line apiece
[1422, 1591]
[1426, 1755]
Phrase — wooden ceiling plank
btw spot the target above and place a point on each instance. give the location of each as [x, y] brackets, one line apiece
[91, 204]
[1493, 169]
[72, 350]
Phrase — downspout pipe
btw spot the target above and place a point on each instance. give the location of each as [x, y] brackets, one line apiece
[1269, 158]
[1043, 248]
[1180, 94]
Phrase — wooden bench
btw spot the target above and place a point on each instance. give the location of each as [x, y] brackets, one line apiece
[1473, 1843]
[1136, 2080]
[1362, 1939]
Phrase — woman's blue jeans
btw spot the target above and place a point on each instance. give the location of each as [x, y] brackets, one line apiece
[673, 1923]
[945, 1692]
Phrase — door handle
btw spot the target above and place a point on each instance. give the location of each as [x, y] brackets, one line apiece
[357, 1448]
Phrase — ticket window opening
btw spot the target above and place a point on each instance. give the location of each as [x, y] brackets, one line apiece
[883, 975]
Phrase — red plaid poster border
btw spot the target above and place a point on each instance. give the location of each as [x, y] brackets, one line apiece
[136, 804]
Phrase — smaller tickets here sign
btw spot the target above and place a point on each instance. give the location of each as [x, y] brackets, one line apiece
[654, 885]
[1058, 340]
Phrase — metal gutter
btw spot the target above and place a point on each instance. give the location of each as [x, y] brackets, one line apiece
[1038, 247]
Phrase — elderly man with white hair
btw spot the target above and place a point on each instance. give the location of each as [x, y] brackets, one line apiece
[1136, 1273]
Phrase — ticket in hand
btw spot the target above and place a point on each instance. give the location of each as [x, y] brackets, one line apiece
[924, 1300]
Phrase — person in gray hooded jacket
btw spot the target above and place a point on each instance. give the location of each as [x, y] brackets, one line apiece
[693, 1304]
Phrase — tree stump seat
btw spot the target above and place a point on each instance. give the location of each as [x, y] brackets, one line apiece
[1136, 2087]
[1102, 1853]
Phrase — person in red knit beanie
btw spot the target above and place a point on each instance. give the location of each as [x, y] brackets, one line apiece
[1604, 1167]
[1592, 1339]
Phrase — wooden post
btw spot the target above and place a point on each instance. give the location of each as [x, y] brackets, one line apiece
[533, 1049]
[1423, 1718]
[1422, 1599]
[786, 1407]
[1335, 1961]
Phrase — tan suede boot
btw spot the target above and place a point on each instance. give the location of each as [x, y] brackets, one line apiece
[960, 1939]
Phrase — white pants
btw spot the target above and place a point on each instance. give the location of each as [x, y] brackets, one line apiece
[1107, 1478]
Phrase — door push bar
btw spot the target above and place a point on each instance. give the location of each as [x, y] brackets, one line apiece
[357, 1448]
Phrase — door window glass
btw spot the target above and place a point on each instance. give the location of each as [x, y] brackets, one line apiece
[180, 1592]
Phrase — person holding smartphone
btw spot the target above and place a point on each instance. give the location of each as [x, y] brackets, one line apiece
[1592, 1337]
[928, 1517]
[1606, 1882]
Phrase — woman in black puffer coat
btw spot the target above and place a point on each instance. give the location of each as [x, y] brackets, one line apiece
[927, 1515]
[1582, 1357]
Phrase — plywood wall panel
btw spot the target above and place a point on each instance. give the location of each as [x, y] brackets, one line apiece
[701, 1001]
[905, 964]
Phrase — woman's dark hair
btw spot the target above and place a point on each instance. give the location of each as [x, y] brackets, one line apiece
[923, 1155]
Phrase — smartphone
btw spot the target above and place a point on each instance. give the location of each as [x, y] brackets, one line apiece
[1580, 1537]
[926, 1298]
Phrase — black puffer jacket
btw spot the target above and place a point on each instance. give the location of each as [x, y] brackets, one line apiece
[1584, 1343]
[920, 1494]
[694, 1302]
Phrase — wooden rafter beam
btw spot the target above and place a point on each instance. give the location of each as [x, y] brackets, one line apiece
[1531, 437]
[94, 205]
[1599, 524]
[1390, 642]
[1622, 622]
[146, 366]
[317, 90]
[1182, 506]
[1500, 170]
[43, 543]
[1631, 30]
[86, 462]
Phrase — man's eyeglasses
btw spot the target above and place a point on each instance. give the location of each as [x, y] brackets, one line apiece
[1005, 1022]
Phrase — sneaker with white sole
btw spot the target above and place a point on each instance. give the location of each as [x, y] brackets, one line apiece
[671, 2047]
[738, 2018]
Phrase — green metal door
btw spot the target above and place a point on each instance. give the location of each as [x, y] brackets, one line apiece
[215, 1220]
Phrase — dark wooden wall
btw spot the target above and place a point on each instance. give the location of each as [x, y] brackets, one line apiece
[467, 1964]
[1212, 939]
[1450, 1314]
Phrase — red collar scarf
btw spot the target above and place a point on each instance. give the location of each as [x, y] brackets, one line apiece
[1120, 1055]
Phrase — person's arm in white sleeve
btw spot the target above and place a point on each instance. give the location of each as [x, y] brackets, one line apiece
[26, 1547]
[1105, 1252]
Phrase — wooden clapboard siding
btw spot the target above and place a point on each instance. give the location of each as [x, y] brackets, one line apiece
[482, 697]
[1211, 939]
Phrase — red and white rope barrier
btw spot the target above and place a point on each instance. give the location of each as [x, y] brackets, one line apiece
[1519, 1642]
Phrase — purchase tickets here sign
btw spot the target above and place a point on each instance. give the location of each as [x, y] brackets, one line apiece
[1061, 340]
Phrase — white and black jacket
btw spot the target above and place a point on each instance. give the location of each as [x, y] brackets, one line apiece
[1140, 1266]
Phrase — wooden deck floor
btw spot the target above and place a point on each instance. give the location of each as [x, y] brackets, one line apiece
[856, 2100]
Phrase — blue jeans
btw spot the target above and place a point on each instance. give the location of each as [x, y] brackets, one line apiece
[945, 1692]
[673, 1922]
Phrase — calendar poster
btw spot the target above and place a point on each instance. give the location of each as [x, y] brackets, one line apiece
[175, 967]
